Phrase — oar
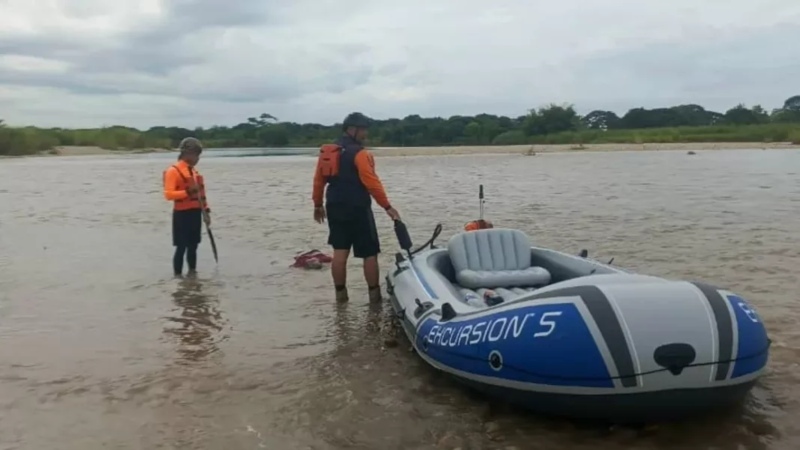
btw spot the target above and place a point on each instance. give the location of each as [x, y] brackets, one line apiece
[208, 227]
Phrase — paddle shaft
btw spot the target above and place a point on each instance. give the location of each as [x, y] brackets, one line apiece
[204, 213]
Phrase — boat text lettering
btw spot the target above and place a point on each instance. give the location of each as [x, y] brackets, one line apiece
[491, 330]
[748, 311]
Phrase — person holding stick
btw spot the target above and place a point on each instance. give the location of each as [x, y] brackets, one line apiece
[185, 187]
[347, 169]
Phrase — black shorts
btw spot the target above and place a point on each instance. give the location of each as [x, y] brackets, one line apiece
[187, 227]
[351, 226]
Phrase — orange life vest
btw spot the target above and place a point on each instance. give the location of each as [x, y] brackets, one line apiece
[328, 161]
[191, 202]
[479, 224]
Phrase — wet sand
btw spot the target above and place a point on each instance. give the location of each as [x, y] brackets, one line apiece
[90, 150]
[101, 348]
[530, 150]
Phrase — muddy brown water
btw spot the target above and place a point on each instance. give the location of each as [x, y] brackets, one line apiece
[101, 348]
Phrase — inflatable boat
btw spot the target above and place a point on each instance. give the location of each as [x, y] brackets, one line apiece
[566, 335]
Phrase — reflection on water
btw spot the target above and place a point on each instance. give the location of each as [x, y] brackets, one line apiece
[375, 318]
[356, 324]
[197, 320]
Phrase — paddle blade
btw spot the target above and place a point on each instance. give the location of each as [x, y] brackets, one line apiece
[213, 244]
[403, 238]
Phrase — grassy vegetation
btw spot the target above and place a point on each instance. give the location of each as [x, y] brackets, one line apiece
[552, 124]
[31, 140]
[726, 133]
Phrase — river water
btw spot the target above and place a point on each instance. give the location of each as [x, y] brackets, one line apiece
[101, 348]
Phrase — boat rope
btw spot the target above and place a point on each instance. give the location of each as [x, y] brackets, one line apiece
[436, 232]
[425, 348]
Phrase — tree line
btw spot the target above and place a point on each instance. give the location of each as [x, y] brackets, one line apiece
[551, 124]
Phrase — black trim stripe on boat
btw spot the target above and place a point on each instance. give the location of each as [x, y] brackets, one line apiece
[609, 325]
[722, 316]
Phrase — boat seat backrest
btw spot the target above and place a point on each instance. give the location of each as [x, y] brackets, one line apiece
[495, 257]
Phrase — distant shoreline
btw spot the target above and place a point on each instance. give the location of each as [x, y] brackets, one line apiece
[87, 150]
[528, 150]
[531, 150]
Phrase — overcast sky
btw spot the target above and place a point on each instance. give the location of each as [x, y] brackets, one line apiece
[193, 63]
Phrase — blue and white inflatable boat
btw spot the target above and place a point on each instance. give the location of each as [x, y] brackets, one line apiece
[566, 335]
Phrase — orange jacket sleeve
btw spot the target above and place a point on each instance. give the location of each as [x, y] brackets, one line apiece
[319, 186]
[365, 163]
[171, 185]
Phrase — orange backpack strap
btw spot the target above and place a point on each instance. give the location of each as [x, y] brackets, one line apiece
[180, 174]
[164, 174]
[328, 161]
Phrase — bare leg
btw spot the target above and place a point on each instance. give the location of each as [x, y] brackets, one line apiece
[371, 271]
[339, 273]
[372, 276]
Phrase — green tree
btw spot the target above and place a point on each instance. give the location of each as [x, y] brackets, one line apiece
[742, 115]
[547, 124]
[551, 119]
[792, 104]
[600, 120]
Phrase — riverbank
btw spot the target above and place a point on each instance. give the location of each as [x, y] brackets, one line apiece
[563, 148]
[88, 150]
[528, 150]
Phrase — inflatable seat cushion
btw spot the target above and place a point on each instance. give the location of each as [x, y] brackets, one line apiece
[496, 257]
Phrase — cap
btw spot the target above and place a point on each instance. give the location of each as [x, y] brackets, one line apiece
[190, 144]
[357, 120]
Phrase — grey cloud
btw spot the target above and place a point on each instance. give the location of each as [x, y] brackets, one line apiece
[280, 89]
[54, 81]
[282, 86]
[184, 20]
[753, 66]
[49, 47]
[148, 59]
[242, 88]
[182, 36]
[303, 59]
[250, 89]
[138, 53]
[193, 14]
[166, 39]
[149, 51]
[343, 80]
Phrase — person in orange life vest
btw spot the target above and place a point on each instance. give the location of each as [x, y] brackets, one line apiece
[185, 187]
[348, 170]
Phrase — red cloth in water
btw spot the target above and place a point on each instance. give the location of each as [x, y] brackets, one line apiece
[303, 259]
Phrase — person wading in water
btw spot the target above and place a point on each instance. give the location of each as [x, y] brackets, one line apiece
[185, 187]
[348, 170]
